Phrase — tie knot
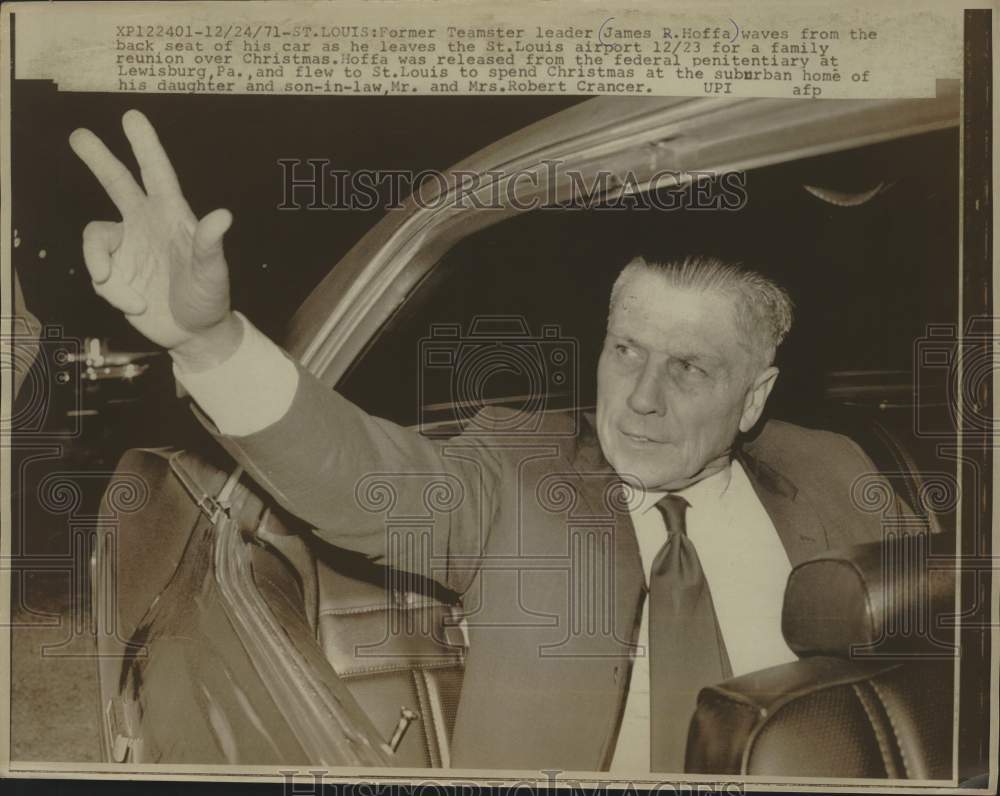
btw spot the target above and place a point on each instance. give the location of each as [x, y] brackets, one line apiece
[672, 507]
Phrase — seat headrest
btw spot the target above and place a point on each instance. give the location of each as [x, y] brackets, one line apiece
[888, 597]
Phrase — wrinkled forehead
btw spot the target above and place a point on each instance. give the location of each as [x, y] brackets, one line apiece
[652, 299]
[659, 315]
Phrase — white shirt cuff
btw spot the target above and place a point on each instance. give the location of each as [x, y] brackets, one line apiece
[248, 392]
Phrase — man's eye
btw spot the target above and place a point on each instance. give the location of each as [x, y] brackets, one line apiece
[624, 350]
[690, 369]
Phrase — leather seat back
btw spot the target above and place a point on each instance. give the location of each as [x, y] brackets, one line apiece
[873, 693]
[828, 717]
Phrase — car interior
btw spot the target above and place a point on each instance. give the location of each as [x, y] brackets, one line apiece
[859, 238]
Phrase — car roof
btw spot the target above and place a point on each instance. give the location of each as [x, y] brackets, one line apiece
[638, 135]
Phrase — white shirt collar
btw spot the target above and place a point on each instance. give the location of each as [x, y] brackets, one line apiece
[712, 487]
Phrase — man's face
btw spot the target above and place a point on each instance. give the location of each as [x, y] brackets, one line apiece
[675, 383]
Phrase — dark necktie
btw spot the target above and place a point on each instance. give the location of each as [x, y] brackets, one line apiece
[686, 648]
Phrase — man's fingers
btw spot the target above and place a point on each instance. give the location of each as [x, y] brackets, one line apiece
[110, 172]
[119, 294]
[158, 175]
[208, 234]
[100, 239]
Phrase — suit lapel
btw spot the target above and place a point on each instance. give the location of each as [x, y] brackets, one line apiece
[598, 489]
[598, 482]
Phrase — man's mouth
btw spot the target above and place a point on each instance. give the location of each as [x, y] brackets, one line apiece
[639, 439]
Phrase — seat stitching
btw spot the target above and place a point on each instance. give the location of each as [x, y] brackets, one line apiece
[878, 727]
[892, 723]
[805, 690]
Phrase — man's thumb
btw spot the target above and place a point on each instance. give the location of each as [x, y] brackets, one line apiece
[208, 234]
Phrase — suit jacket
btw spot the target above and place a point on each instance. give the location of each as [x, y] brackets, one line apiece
[531, 529]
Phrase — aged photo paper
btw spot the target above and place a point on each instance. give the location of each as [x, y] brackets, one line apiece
[535, 395]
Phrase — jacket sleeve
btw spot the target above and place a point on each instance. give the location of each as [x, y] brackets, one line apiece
[373, 487]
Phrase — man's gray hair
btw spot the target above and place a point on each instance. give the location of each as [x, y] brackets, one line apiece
[763, 308]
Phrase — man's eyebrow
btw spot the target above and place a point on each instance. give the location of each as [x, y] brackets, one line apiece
[705, 361]
[697, 357]
[687, 355]
[625, 338]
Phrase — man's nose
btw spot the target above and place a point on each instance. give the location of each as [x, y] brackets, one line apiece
[647, 397]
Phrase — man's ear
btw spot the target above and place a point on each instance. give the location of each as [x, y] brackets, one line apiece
[753, 404]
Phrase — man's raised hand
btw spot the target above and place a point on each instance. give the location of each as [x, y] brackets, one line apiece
[159, 265]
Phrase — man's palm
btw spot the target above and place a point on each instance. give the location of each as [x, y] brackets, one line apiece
[160, 266]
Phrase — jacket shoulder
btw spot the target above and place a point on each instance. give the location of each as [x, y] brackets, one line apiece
[807, 454]
[828, 471]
